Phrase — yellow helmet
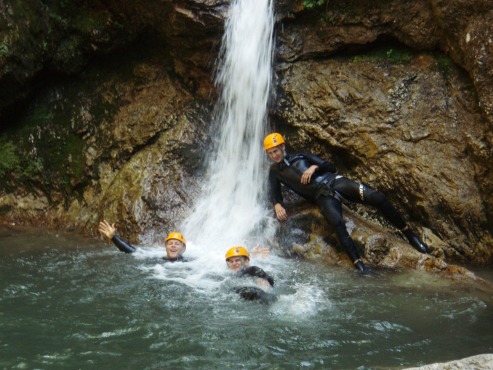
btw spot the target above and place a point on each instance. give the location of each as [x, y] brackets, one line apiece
[237, 252]
[273, 140]
[176, 235]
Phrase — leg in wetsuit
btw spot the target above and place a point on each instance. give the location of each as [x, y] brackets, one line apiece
[332, 210]
[360, 193]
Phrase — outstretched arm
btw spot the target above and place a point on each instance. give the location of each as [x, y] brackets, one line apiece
[109, 231]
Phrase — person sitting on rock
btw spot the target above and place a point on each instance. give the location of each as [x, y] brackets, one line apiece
[238, 260]
[316, 180]
[174, 243]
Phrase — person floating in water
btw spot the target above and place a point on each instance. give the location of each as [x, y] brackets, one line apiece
[238, 260]
[174, 243]
[316, 180]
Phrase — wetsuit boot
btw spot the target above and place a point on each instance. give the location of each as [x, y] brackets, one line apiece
[360, 265]
[415, 241]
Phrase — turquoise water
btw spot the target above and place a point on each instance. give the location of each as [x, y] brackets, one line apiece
[74, 303]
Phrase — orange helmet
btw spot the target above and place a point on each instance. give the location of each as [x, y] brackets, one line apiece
[273, 140]
[237, 252]
[176, 235]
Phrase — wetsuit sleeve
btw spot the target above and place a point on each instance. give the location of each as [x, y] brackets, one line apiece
[123, 245]
[275, 192]
[251, 293]
[323, 165]
[255, 271]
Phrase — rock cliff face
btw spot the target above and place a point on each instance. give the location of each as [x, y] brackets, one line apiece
[106, 108]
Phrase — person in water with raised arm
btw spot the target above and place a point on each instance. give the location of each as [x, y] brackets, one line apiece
[316, 180]
[238, 261]
[174, 243]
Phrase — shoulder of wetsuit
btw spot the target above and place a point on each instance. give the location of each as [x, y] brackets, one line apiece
[311, 157]
[297, 155]
[252, 271]
[323, 164]
[255, 271]
[306, 158]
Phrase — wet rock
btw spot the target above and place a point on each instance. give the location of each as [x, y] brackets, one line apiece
[469, 363]
[143, 138]
[379, 245]
[373, 119]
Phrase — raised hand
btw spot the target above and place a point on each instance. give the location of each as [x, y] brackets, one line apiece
[259, 251]
[106, 229]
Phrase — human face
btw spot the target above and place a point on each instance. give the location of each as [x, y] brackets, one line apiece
[237, 263]
[276, 153]
[174, 248]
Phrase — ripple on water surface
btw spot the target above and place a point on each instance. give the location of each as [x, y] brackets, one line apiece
[73, 303]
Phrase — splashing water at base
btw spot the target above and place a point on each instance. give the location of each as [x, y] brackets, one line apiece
[231, 207]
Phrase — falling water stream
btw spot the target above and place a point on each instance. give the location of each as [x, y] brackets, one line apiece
[73, 303]
[231, 209]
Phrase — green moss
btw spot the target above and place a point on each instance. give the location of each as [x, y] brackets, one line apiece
[68, 49]
[311, 4]
[32, 169]
[86, 23]
[4, 49]
[9, 160]
[39, 115]
[47, 153]
[5, 209]
[444, 64]
[69, 162]
[390, 55]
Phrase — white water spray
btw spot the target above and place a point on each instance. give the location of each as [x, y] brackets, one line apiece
[231, 207]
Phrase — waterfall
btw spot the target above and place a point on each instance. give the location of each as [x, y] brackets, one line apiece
[232, 209]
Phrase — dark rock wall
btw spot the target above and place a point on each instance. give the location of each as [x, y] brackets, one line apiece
[105, 108]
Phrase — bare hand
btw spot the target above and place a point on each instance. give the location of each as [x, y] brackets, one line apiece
[281, 213]
[263, 283]
[106, 229]
[307, 175]
[259, 251]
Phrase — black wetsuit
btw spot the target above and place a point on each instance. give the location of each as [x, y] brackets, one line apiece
[129, 248]
[251, 293]
[327, 189]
